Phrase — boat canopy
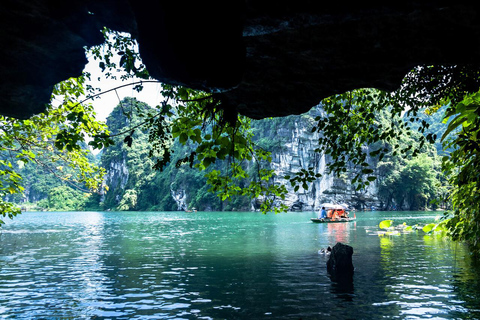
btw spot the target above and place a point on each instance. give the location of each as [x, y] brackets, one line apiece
[329, 206]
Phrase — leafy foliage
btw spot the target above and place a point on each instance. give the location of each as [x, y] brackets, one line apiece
[119, 55]
[64, 198]
[54, 141]
[437, 228]
[462, 166]
[385, 224]
[350, 125]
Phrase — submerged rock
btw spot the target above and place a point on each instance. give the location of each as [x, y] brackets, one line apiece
[340, 265]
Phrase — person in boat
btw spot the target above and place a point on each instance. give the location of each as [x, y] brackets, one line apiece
[335, 215]
[343, 213]
[329, 213]
[323, 213]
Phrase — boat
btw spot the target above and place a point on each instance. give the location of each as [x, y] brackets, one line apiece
[335, 213]
[329, 220]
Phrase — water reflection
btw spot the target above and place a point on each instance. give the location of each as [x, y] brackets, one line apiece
[418, 271]
[54, 266]
[341, 231]
[222, 266]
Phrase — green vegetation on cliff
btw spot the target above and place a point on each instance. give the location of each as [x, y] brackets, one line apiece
[134, 185]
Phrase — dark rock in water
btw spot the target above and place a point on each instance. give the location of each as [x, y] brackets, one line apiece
[340, 265]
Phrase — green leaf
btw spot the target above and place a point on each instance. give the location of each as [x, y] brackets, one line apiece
[429, 227]
[367, 171]
[183, 138]
[385, 224]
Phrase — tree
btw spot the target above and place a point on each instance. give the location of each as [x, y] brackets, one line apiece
[462, 167]
[64, 198]
[129, 200]
[52, 140]
[418, 180]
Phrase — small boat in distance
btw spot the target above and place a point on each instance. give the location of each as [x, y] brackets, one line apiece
[335, 213]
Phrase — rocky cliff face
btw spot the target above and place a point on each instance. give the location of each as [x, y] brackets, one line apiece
[117, 174]
[293, 148]
[180, 197]
[298, 152]
[116, 179]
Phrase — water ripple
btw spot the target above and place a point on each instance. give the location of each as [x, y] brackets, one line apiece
[224, 266]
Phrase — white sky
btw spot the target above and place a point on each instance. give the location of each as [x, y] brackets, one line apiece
[105, 103]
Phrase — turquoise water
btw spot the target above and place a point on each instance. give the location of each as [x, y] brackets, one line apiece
[227, 265]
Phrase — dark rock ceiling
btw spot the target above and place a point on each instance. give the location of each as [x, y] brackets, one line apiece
[267, 58]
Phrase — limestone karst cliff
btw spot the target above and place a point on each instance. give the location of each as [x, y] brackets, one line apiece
[133, 184]
[293, 148]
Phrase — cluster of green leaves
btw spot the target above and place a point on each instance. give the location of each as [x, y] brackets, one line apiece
[349, 126]
[303, 178]
[437, 228]
[462, 166]
[119, 55]
[52, 140]
[64, 198]
[216, 133]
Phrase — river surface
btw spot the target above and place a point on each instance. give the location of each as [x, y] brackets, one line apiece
[227, 265]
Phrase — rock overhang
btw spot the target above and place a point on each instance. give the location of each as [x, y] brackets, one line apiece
[266, 58]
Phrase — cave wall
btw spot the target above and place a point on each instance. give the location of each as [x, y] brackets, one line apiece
[266, 58]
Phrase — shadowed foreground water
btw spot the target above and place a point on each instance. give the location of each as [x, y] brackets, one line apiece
[224, 265]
